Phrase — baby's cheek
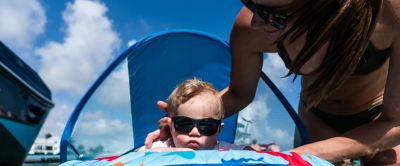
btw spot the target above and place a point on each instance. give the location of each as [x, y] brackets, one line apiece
[210, 142]
[180, 141]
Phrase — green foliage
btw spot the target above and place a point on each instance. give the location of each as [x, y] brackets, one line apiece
[98, 149]
[48, 135]
[72, 141]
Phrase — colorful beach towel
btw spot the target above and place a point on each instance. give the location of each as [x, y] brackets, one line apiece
[205, 157]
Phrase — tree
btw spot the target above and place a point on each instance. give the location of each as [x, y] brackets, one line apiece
[72, 141]
[98, 149]
[48, 135]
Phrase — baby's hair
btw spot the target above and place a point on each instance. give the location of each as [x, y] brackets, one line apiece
[190, 88]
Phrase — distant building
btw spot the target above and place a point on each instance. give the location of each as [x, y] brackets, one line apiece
[45, 146]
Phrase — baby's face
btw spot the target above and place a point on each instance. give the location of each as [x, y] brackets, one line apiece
[196, 108]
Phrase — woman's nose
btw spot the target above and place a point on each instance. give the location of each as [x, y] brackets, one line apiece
[257, 22]
[194, 132]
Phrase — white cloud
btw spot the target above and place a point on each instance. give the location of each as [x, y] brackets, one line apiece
[57, 118]
[131, 42]
[21, 22]
[97, 128]
[85, 52]
[275, 69]
[261, 128]
[114, 91]
[279, 136]
[96, 124]
[256, 112]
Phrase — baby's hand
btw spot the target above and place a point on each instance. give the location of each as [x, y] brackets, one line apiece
[165, 149]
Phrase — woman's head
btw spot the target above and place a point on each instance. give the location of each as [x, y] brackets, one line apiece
[273, 14]
[346, 25]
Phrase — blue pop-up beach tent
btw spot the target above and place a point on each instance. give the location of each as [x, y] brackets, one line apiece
[119, 110]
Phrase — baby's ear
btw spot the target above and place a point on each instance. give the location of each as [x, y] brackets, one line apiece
[222, 125]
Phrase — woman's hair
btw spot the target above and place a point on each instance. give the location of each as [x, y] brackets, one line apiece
[347, 26]
[191, 88]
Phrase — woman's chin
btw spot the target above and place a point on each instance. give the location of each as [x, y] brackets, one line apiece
[273, 37]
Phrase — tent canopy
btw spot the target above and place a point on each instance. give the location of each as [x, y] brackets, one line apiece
[119, 110]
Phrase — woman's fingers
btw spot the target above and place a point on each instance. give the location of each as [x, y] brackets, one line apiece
[151, 136]
[164, 127]
[164, 122]
[163, 131]
[162, 105]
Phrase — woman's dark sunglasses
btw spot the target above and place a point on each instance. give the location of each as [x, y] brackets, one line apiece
[277, 20]
[207, 126]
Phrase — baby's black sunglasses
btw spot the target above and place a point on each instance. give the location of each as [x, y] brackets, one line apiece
[206, 126]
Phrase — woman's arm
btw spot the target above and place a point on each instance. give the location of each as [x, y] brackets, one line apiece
[384, 132]
[247, 47]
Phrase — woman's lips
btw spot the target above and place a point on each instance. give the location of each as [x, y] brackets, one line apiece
[193, 143]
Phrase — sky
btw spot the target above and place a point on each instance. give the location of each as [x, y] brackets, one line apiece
[69, 43]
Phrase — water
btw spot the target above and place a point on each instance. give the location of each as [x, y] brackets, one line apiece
[42, 160]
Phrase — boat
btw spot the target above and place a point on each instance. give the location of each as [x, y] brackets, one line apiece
[43, 146]
[25, 102]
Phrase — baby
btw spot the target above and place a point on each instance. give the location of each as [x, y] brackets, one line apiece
[196, 110]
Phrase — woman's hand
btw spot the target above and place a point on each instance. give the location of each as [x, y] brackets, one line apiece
[165, 149]
[163, 125]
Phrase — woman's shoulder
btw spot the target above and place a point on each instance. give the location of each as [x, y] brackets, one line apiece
[386, 30]
[244, 37]
[390, 15]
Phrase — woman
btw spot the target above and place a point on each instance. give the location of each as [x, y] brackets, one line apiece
[341, 48]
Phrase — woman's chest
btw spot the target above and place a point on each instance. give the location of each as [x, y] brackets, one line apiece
[356, 94]
[379, 41]
[295, 48]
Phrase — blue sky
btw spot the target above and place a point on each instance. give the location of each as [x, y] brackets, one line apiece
[69, 43]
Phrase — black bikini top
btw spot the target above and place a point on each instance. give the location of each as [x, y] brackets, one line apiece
[372, 59]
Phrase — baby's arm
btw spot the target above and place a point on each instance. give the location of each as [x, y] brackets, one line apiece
[165, 149]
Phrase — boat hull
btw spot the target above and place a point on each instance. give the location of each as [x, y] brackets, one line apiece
[25, 102]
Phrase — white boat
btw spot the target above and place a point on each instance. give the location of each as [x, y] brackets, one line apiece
[45, 146]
